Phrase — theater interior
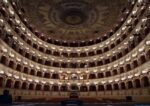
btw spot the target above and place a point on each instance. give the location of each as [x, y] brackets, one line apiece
[75, 52]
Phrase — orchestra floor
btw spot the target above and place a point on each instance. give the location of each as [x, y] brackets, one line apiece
[85, 104]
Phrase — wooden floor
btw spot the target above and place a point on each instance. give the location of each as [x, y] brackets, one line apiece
[85, 104]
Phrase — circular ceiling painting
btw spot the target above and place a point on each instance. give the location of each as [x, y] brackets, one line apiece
[73, 19]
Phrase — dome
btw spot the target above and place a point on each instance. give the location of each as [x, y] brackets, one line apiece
[73, 20]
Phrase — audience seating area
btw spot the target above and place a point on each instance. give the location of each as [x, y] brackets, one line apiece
[112, 68]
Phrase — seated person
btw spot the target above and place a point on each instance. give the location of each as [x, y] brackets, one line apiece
[5, 98]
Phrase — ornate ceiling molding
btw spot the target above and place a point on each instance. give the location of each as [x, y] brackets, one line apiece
[73, 19]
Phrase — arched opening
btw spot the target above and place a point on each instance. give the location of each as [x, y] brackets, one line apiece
[64, 54]
[39, 74]
[31, 86]
[113, 58]
[99, 63]
[46, 87]
[148, 54]
[33, 58]
[115, 72]
[74, 87]
[4, 60]
[55, 64]
[135, 63]
[32, 72]
[128, 67]
[48, 51]
[116, 87]
[41, 49]
[119, 55]
[92, 76]
[106, 61]
[99, 51]
[38, 87]
[137, 83]
[92, 88]
[83, 65]
[9, 83]
[16, 85]
[26, 70]
[100, 75]
[84, 76]
[106, 49]
[55, 53]
[64, 65]
[48, 63]
[35, 46]
[118, 41]
[73, 65]
[123, 85]
[18, 68]
[27, 55]
[145, 81]
[108, 74]
[91, 53]
[64, 88]
[142, 59]
[46, 75]
[83, 88]
[101, 88]
[24, 85]
[29, 42]
[11, 64]
[73, 54]
[109, 87]
[82, 54]
[130, 84]
[112, 45]
[21, 51]
[1, 81]
[55, 76]
[40, 61]
[121, 69]
[55, 88]
[126, 50]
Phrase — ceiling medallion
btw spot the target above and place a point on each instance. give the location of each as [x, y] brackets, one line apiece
[73, 20]
[73, 17]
